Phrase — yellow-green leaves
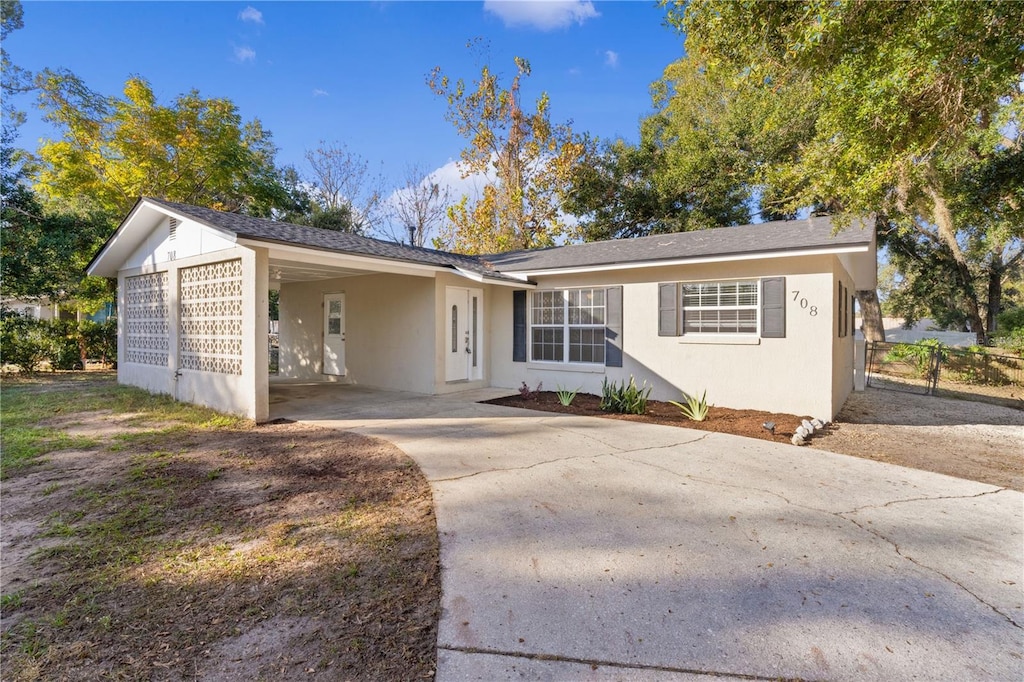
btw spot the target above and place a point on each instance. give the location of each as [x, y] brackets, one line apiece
[524, 158]
[115, 149]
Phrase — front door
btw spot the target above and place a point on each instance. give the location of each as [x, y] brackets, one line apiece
[334, 334]
[463, 320]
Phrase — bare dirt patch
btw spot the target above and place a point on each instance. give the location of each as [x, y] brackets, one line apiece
[274, 552]
[977, 441]
[973, 440]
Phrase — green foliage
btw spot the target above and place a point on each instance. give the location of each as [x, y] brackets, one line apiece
[22, 341]
[624, 397]
[920, 355]
[530, 158]
[695, 409]
[1012, 319]
[910, 111]
[27, 343]
[115, 149]
[565, 396]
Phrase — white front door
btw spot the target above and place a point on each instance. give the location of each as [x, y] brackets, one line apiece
[463, 320]
[334, 334]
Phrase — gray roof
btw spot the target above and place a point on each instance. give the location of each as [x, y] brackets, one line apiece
[782, 235]
[261, 229]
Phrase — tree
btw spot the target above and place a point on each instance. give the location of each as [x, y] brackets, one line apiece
[42, 252]
[346, 196]
[114, 150]
[698, 161]
[907, 98]
[526, 161]
[420, 206]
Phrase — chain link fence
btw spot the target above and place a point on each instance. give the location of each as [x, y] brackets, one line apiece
[931, 368]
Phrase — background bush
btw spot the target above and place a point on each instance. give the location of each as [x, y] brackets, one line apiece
[28, 343]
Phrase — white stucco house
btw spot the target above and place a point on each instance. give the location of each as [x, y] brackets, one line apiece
[759, 316]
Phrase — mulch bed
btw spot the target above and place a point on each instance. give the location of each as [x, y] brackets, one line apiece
[720, 419]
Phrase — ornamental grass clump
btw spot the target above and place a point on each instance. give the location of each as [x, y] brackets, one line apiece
[565, 396]
[624, 397]
[695, 409]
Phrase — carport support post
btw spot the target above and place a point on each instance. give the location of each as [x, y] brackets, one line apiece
[859, 364]
[255, 327]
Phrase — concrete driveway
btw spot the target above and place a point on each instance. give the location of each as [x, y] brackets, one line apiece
[593, 549]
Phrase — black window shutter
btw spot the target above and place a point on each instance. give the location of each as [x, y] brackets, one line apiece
[773, 308]
[518, 326]
[613, 327]
[668, 309]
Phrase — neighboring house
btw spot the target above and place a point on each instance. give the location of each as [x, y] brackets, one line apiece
[895, 331]
[39, 308]
[760, 316]
[42, 309]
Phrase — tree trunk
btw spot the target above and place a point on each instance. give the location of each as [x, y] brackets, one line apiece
[871, 315]
[995, 292]
[947, 234]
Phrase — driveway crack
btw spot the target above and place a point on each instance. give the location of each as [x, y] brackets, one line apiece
[522, 468]
[907, 557]
[597, 663]
[922, 499]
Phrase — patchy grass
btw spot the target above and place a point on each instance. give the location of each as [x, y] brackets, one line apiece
[193, 545]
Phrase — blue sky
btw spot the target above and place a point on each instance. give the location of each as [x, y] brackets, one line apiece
[354, 72]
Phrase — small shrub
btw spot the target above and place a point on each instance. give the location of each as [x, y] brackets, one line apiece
[63, 344]
[695, 409]
[565, 396]
[526, 393]
[1011, 340]
[100, 339]
[22, 341]
[624, 397]
[918, 354]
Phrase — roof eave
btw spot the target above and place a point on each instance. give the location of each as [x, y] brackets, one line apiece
[692, 260]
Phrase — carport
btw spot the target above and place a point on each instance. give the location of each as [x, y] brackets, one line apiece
[193, 287]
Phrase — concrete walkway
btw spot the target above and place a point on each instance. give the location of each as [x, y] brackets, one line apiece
[593, 549]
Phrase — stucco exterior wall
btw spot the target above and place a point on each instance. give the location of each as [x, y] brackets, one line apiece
[389, 331]
[842, 346]
[191, 239]
[792, 374]
[245, 393]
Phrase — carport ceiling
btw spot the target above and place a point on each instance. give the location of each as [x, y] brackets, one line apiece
[283, 271]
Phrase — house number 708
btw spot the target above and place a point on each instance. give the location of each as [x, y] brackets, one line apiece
[812, 310]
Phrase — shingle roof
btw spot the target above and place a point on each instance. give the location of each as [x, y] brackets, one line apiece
[261, 229]
[783, 235]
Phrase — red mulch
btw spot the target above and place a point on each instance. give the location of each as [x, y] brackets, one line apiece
[721, 419]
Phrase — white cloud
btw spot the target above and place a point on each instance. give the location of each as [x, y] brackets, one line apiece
[574, 71]
[251, 15]
[611, 58]
[244, 54]
[318, 92]
[543, 14]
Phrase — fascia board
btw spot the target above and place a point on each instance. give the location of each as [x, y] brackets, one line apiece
[864, 248]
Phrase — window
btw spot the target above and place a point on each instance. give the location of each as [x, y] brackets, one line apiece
[720, 307]
[568, 326]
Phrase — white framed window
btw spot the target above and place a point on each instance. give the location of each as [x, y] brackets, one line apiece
[729, 307]
[568, 326]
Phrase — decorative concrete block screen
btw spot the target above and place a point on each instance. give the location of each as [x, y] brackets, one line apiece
[211, 317]
[146, 319]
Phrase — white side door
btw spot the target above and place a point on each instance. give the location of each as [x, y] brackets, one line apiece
[334, 334]
[463, 324]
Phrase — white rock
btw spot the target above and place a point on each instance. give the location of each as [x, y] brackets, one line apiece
[817, 424]
[798, 439]
[807, 425]
[803, 431]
